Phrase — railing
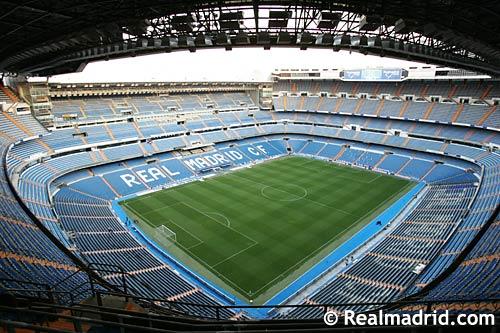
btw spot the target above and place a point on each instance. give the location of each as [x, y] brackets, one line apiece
[82, 317]
[77, 288]
[28, 288]
[92, 287]
[272, 310]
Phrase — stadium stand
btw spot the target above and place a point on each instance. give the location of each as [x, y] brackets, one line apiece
[400, 169]
[476, 115]
[109, 108]
[28, 256]
[480, 267]
[69, 177]
[6, 95]
[427, 227]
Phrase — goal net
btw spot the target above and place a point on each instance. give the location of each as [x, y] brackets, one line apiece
[165, 235]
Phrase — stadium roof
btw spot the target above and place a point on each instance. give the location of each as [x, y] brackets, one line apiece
[48, 37]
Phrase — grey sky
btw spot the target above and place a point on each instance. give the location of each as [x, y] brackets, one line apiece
[243, 64]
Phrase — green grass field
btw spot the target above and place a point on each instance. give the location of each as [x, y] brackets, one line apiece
[254, 230]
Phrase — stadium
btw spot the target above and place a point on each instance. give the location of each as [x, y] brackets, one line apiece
[249, 206]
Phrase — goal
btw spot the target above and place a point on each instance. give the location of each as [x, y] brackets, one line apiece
[165, 235]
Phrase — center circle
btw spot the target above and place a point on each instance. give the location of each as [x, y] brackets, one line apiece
[284, 192]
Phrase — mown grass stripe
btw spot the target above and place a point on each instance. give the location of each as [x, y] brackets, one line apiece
[270, 241]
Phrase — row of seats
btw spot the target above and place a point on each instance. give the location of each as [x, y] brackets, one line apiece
[366, 155]
[416, 165]
[104, 223]
[108, 107]
[487, 200]
[478, 136]
[4, 98]
[28, 259]
[475, 89]
[35, 178]
[481, 269]
[387, 269]
[30, 185]
[143, 129]
[477, 115]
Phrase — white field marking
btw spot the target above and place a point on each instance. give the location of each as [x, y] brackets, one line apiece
[223, 216]
[229, 227]
[233, 255]
[306, 198]
[157, 192]
[194, 236]
[209, 268]
[190, 233]
[218, 274]
[142, 197]
[134, 211]
[152, 225]
[232, 284]
[312, 254]
[353, 171]
[161, 208]
[337, 236]
[160, 192]
[374, 179]
[235, 286]
[262, 192]
[348, 168]
[214, 271]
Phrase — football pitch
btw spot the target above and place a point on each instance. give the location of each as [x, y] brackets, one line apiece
[255, 230]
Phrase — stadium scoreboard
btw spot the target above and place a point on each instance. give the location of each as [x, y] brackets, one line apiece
[372, 74]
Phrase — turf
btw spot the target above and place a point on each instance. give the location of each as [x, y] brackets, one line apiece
[254, 229]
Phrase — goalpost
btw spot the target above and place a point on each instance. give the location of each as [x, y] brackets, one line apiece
[165, 234]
